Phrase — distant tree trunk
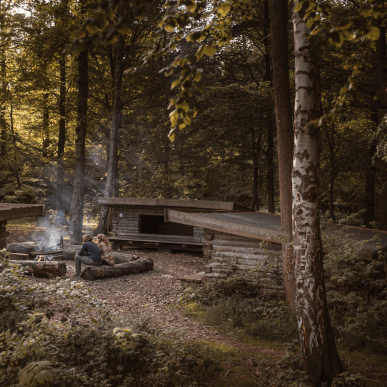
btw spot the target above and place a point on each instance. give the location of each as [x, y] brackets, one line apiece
[370, 182]
[60, 206]
[269, 128]
[318, 347]
[3, 124]
[77, 202]
[116, 113]
[166, 190]
[382, 80]
[46, 125]
[383, 197]
[270, 168]
[256, 147]
[283, 113]
[16, 166]
[330, 140]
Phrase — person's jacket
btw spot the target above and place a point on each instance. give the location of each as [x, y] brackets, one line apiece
[106, 253]
[90, 249]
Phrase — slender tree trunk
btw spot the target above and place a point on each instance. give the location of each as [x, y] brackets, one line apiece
[166, 191]
[116, 114]
[270, 128]
[318, 347]
[3, 97]
[280, 60]
[46, 125]
[77, 202]
[270, 168]
[256, 143]
[382, 78]
[332, 174]
[15, 156]
[370, 181]
[383, 197]
[60, 205]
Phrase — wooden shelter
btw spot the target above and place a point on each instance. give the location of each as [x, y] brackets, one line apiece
[139, 222]
[10, 211]
[232, 240]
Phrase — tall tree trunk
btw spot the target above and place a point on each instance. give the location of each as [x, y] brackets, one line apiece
[116, 114]
[382, 78]
[166, 190]
[279, 54]
[3, 97]
[270, 128]
[15, 156]
[383, 197]
[370, 181]
[256, 147]
[60, 205]
[318, 347]
[77, 202]
[46, 125]
[270, 168]
[332, 173]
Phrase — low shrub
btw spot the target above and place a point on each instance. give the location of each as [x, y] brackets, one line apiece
[104, 351]
[358, 317]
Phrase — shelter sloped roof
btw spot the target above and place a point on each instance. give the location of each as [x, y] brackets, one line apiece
[176, 203]
[10, 211]
[258, 225]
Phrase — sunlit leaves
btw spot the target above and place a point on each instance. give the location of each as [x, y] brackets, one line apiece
[373, 33]
[223, 10]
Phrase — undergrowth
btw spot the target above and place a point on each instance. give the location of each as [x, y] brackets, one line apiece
[358, 315]
[105, 351]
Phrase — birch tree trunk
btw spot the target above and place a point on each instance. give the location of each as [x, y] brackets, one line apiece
[283, 114]
[318, 347]
[116, 114]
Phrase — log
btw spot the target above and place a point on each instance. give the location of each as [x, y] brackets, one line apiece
[69, 252]
[22, 248]
[43, 269]
[92, 273]
[18, 257]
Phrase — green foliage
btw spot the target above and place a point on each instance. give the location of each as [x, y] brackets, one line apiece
[103, 351]
[27, 195]
[238, 300]
[358, 316]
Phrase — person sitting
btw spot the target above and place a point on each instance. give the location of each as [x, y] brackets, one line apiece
[88, 255]
[105, 249]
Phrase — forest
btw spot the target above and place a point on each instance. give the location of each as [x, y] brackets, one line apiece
[280, 107]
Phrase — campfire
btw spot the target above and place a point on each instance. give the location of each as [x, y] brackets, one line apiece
[49, 253]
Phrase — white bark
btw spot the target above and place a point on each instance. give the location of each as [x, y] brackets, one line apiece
[315, 332]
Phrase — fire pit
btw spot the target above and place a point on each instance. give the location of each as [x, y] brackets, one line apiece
[49, 253]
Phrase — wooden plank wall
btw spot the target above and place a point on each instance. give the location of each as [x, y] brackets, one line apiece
[231, 253]
[127, 223]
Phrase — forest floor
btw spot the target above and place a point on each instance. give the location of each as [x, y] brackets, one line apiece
[246, 362]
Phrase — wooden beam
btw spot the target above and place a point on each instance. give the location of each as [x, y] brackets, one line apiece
[223, 226]
[17, 211]
[215, 205]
